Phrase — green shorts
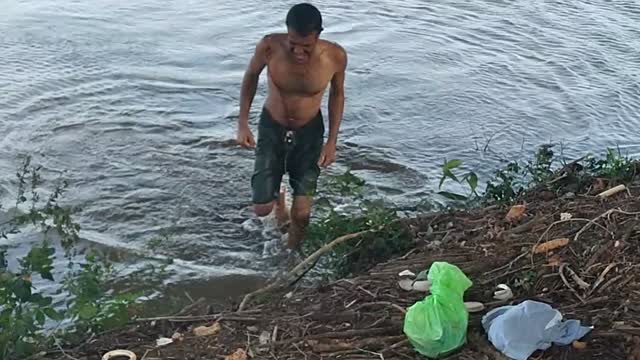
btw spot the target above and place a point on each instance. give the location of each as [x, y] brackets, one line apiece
[281, 150]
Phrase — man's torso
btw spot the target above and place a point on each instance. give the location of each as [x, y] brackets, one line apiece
[296, 91]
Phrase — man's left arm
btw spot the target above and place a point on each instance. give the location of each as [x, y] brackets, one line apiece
[336, 108]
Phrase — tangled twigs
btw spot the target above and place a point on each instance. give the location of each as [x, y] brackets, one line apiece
[584, 228]
[564, 280]
[605, 214]
[507, 266]
[302, 267]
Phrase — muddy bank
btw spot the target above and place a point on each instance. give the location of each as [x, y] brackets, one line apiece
[593, 277]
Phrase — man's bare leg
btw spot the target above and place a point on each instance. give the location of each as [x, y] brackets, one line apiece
[300, 214]
[282, 213]
[280, 206]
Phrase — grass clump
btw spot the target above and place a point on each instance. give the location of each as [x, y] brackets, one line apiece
[364, 214]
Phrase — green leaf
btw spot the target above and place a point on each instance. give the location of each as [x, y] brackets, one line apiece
[40, 317]
[41, 300]
[472, 179]
[53, 315]
[40, 260]
[452, 164]
[441, 182]
[87, 311]
[47, 275]
[22, 289]
[23, 349]
[449, 174]
[452, 196]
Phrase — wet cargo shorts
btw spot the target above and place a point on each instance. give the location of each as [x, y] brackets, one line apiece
[280, 150]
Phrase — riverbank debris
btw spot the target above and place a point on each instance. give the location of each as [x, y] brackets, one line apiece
[238, 355]
[503, 293]
[520, 330]
[437, 325]
[612, 191]
[516, 212]
[214, 329]
[550, 245]
[163, 341]
[593, 278]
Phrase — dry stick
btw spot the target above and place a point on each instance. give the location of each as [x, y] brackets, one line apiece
[606, 213]
[609, 283]
[583, 284]
[527, 226]
[300, 351]
[387, 303]
[411, 252]
[62, 350]
[511, 272]
[510, 264]
[564, 279]
[372, 353]
[220, 316]
[602, 277]
[339, 335]
[557, 223]
[367, 292]
[311, 259]
[395, 346]
[146, 353]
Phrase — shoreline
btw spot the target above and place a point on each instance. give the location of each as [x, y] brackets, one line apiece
[361, 316]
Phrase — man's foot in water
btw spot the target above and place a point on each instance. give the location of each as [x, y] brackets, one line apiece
[294, 258]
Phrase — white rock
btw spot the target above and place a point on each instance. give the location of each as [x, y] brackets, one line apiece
[504, 293]
[163, 341]
[474, 306]
[407, 273]
[265, 337]
[406, 284]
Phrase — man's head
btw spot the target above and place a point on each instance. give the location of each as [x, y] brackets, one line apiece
[304, 24]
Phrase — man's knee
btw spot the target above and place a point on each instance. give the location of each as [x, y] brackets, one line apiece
[301, 215]
[263, 209]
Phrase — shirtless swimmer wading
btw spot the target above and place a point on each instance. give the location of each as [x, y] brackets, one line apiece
[300, 66]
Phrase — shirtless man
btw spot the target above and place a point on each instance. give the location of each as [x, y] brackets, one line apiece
[300, 66]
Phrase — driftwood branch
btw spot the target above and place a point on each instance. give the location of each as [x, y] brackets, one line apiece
[302, 267]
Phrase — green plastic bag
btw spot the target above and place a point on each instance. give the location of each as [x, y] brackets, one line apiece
[437, 325]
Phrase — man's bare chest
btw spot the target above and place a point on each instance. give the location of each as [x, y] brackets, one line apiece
[307, 80]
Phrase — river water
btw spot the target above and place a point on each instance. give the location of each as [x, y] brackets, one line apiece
[135, 103]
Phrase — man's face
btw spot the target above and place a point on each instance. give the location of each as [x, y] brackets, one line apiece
[301, 47]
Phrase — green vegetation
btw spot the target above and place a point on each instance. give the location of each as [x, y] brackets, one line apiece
[357, 255]
[512, 182]
[27, 315]
[470, 178]
[614, 166]
[508, 185]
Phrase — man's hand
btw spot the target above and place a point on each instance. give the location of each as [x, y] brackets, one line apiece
[245, 137]
[328, 154]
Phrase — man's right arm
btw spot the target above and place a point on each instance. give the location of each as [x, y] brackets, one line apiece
[250, 80]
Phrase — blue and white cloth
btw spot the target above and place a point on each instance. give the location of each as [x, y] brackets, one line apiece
[518, 331]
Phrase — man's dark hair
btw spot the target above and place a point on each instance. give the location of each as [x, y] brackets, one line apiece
[304, 19]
